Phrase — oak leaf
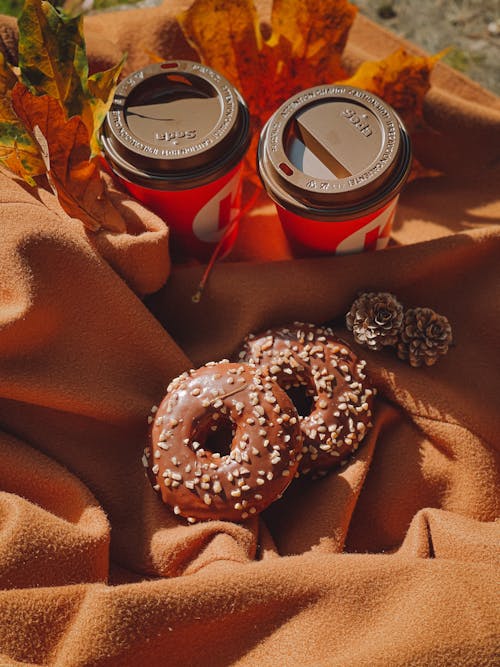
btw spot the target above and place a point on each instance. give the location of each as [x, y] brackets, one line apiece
[73, 174]
[18, 151]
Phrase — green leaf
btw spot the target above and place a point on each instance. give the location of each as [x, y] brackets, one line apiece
[52, 56]
[18, 150]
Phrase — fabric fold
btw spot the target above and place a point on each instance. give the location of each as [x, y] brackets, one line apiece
[388, 561]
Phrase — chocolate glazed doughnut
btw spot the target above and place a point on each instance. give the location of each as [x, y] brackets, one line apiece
[235, 408]
[331, 376]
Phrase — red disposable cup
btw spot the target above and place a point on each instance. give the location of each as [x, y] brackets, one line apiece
[334, 160]
[175, 136]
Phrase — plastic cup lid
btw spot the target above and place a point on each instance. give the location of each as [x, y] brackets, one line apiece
[177, 120]
[333, 147]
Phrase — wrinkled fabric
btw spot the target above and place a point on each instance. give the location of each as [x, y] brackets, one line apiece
[388, 561]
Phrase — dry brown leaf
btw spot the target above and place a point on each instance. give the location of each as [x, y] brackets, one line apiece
[74, 176]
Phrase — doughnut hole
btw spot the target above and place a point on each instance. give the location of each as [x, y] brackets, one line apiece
[219, 436]
[303, 399]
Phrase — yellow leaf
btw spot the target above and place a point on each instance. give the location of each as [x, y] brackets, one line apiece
[154, 57]
[102, 87]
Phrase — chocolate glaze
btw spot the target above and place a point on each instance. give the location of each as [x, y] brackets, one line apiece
[264, 452]
[311, 357]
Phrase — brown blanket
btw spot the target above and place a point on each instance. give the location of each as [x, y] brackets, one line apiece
[391, 561]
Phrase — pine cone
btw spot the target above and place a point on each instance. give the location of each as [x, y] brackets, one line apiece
[424, 336]
[375, 319]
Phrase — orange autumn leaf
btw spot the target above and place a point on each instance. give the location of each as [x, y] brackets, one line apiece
[316, 32]
[401, 79]
[227, 37]
[74, 176]
[303, 49]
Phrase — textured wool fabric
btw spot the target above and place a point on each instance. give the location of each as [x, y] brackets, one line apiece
[389, 561]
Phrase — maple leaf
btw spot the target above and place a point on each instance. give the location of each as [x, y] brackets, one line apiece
[53, 61]
[401, 79]
[73, 174]
[50, 125]
[52, 56]
[303, 49]
[18, 150]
